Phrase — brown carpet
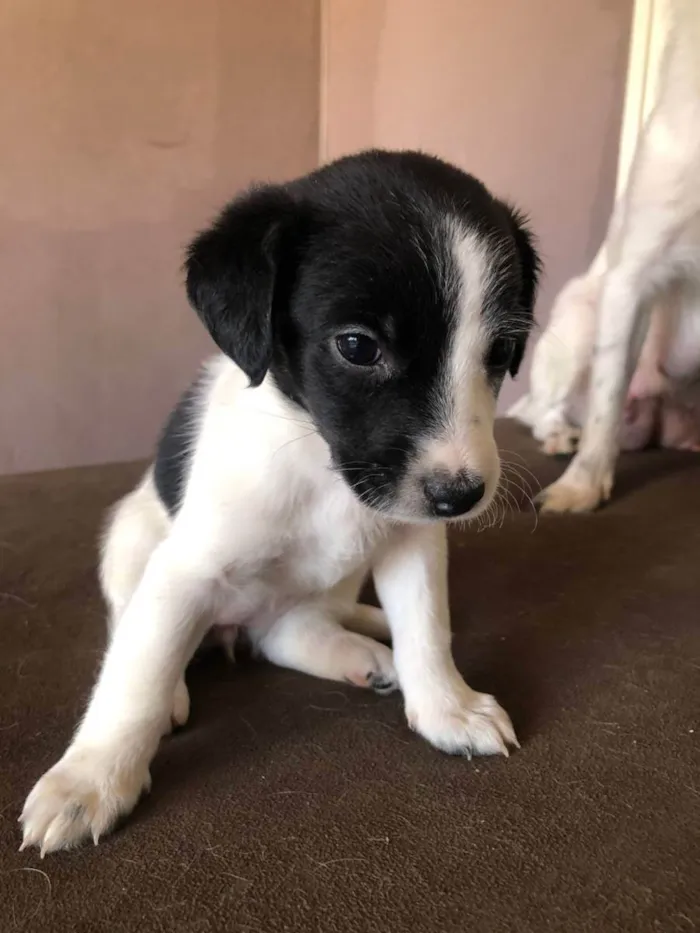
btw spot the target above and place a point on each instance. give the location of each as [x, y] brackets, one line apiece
[295, 804]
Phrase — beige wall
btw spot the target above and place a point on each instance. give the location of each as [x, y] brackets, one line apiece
[526, 94]
[124, 124]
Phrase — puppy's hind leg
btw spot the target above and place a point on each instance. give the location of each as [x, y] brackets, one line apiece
[311, 639]
[366, 620]
[354, 615]
[137, 525]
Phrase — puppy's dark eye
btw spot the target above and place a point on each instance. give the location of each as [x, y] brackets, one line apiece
[500, 353]
[358, 349]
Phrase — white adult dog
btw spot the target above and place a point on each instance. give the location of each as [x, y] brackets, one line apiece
[621, 353]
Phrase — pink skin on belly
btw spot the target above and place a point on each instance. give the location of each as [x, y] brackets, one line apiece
[660, 420]
[654, 413]
[680, 426]
[640, 422]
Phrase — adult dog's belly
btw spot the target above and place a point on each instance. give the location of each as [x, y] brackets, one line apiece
[663, 403]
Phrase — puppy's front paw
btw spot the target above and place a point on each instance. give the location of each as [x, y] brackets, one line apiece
[464, 722]
[80, 797]
[568, 496]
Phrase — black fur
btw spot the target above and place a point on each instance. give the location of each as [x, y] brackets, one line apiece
[174, 450]
[232, 276]
[530, 270]
[363, 244]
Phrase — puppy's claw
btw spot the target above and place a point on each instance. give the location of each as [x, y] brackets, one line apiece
[509, 736]
[381, 684]
[29, 838]
[80, 798]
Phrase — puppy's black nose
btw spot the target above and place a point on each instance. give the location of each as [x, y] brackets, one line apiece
[449, 496]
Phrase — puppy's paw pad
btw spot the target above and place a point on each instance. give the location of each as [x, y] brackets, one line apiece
[471, 725]
[76, 800]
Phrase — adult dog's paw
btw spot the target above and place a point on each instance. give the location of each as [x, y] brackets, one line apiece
[568, 496]
[81, 797]
[562, 440]
[463, 722]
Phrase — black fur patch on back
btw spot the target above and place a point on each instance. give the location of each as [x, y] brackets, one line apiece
[175, 448]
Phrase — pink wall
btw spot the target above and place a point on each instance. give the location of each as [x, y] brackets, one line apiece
[526, 94]
[124, 125]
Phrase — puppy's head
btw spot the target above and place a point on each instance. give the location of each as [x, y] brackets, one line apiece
[389, 295]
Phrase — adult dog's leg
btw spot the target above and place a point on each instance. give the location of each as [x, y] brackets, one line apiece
[663, 198]
[628, 302]
[561, 361]
[622, 327]
[106, 767]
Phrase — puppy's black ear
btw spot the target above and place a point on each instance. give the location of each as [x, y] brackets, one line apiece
[232, 271]
[530, 268]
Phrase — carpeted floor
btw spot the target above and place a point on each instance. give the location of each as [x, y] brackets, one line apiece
[291, 804]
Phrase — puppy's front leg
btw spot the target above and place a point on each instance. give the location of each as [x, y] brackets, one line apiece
[411, 581]
[105, 769]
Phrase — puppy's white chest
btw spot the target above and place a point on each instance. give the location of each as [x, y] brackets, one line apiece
[313, 541]
[334, 536]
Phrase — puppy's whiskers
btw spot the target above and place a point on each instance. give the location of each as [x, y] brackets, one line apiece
[303, 422]
[520, 466]
[301, 437]
[512, 476]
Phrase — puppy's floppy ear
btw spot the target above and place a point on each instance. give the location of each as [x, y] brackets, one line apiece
[232, 270]
[530, 268]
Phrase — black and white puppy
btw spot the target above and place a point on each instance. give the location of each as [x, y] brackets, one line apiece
[367, 315]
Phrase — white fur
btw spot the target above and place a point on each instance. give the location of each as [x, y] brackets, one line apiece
[599, 341]
[269, 538]
[465, 400]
